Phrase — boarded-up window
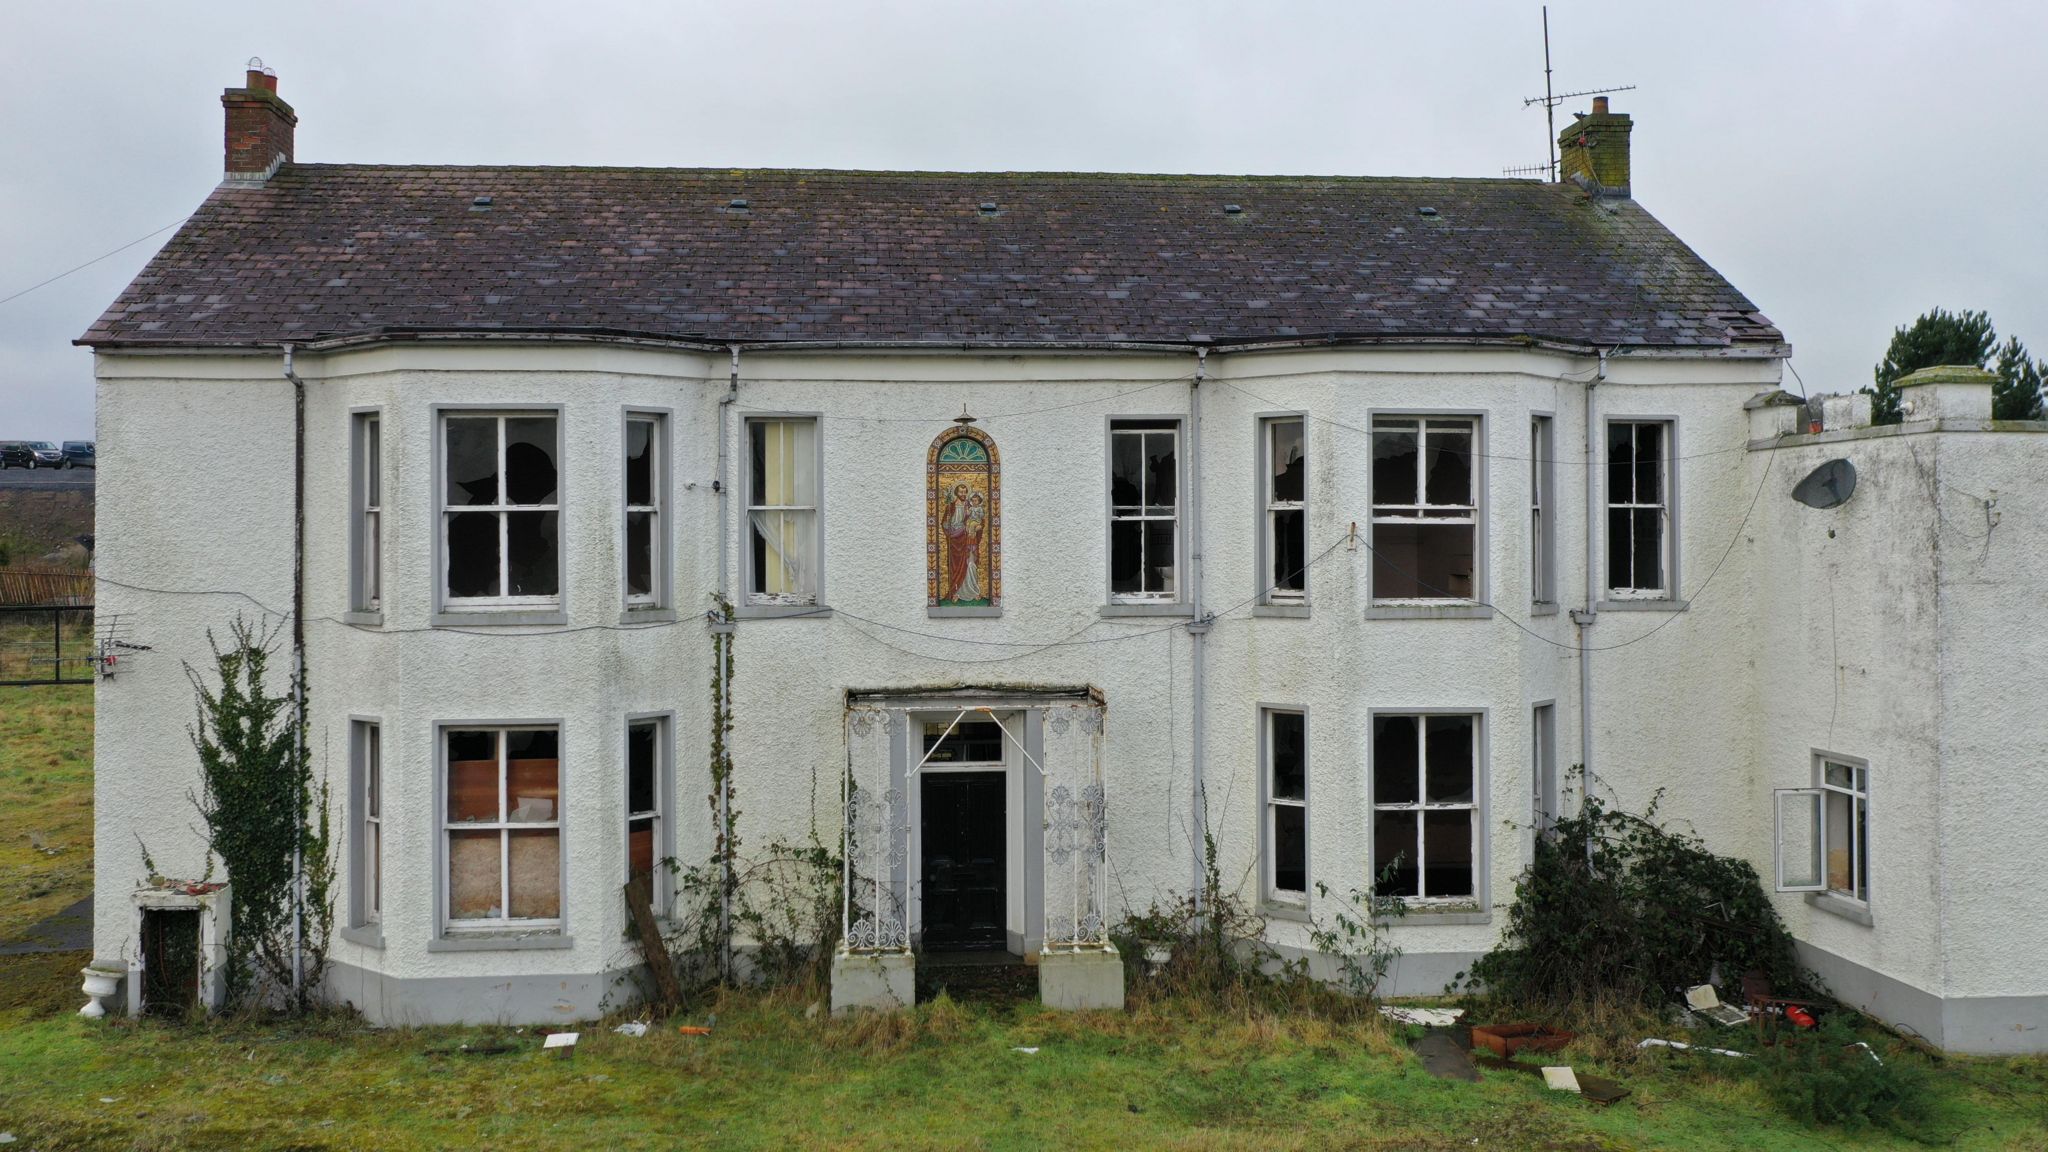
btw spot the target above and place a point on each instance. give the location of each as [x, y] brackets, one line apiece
[503, 823]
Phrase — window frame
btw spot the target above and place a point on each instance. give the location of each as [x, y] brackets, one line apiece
[1271, 897]
[1143, 604]
[504, 933]
[1454, 909]
[365, 544]
[1625, 598]
[1546, 791]
[663, 813]
[1270, 601]
[745, 606]
[1543, 597]
[470, 611]
[364, 922]
[1478, 604]
[1821, 894]
[661, 601]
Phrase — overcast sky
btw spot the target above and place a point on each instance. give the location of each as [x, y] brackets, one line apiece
[1847, 165]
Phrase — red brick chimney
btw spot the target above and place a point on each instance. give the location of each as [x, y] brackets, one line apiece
[259, 133]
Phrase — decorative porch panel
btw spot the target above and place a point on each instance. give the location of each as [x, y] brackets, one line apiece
[1076, 829]
[877, 833]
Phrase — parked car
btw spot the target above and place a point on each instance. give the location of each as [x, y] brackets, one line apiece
[79, 454]
[16, 454]
[47, 455]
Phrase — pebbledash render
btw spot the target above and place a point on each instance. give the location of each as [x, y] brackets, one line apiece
[1061, 517]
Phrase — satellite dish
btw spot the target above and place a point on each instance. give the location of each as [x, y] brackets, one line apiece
[1828, 486]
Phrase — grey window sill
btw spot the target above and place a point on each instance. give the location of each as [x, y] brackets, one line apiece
[1450, 611]
[1543, 608]
[507, 618]
[371, 619]
[1853, 911]
[1642, 606]
[1426, 918]
[780, 611]
[1157, 608]
[506, 942]
[648, 616]
[368, 936]
[1281, 611]
[936, 612]
[1284, 910]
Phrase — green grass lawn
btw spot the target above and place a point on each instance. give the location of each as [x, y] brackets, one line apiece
[1167, 1074]
[45, 802]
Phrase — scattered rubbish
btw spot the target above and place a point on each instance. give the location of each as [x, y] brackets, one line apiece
[634, 1028]
[1800, 1016]
[600, 1078]
[1600, 1090]
[812, 1012]
[1559, 1078]
[1427, 1017]
[1442, 1058]
[1026, 1051]
[562, 1044]
[693, 1030]
[1871, 1052]
[1704, 1000]
[6, 1137]
[668, 991]
[1508, 1039]
[1682, 1046]
[1767, 1007]
[110, 1099]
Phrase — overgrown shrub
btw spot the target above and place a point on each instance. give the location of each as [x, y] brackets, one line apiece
[1827, 1079]
[261, 805]
[785, 902]
[1617, 907]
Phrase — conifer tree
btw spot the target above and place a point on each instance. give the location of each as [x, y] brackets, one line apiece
[1936, 339]
[2017, 395]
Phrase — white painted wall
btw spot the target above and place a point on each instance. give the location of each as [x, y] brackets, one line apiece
[1712, 710]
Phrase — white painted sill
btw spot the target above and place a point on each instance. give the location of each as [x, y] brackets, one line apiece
[1853, 911]
[373, 618]
[499, 618]
[1455, 610]
[1543, 608]
[648, 615]
[1428, 917]
[1281, 611]
[502, 942]
[1276, 909]
[780, 611]
[1149, 608]
[1665, 605]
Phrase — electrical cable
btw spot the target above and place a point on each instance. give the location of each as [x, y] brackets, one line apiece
[93, 261]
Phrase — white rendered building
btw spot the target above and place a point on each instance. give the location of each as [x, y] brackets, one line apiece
[1337, 516]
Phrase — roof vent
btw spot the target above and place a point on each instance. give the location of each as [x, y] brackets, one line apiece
[481, 202]
[737, 204]
[988, 207]
[1233, 209]
[1427, 211]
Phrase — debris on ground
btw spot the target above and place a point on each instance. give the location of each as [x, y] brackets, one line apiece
[1706, 1001]
[1508, 1039]
[562, 1044]
[693, 1030]
[634, 1028]
[1600, 1090]
[1682, 1046]
[1427, 1017]
[1026, 1051]
[1442, 1058]
[1559, 1078]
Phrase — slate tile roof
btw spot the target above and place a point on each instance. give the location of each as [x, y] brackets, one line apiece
[330, 250]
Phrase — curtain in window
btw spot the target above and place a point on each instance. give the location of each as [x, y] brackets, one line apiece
[785, 511]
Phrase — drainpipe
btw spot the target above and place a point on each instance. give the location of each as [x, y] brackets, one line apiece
[732, 394]
[298, 666]
[1198, 628]
[1583, 618]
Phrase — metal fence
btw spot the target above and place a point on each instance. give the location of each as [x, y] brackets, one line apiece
[46, 627]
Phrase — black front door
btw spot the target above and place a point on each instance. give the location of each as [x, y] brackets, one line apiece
[962, 833]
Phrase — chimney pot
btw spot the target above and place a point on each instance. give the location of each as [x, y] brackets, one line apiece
[1599, 105]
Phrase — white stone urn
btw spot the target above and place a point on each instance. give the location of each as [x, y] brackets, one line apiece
[101, 981]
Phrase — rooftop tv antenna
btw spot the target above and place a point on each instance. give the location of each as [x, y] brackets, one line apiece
[1551, 100]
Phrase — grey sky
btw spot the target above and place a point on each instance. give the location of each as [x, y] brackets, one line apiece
[1848, 165]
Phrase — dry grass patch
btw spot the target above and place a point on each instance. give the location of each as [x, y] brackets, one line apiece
[46, 823]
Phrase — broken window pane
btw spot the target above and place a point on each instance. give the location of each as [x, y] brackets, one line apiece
[1447, 852]
[1422, 561]
[532, 791]
[1449, 771]
[1396, 747]
[1638, 514]
[1621, 457]
[1290, 550]
[1126, 471]
[529, 460]
[1161, 477]
[534, 873]
[971, 742]
[472, 777]
[531, 558]
[1158, 567]
[1289, 752]
[472, 554]
[1290, 469]
[1290, 848]
[1395, 867]
[474, 876]
[1646, 543]
[640, 553]
[1394, 469]
[640, 462]
[640, 846]
[1126, 556]
[472, 460]
[1449, 463]
[640, 760]
[1649, 463]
